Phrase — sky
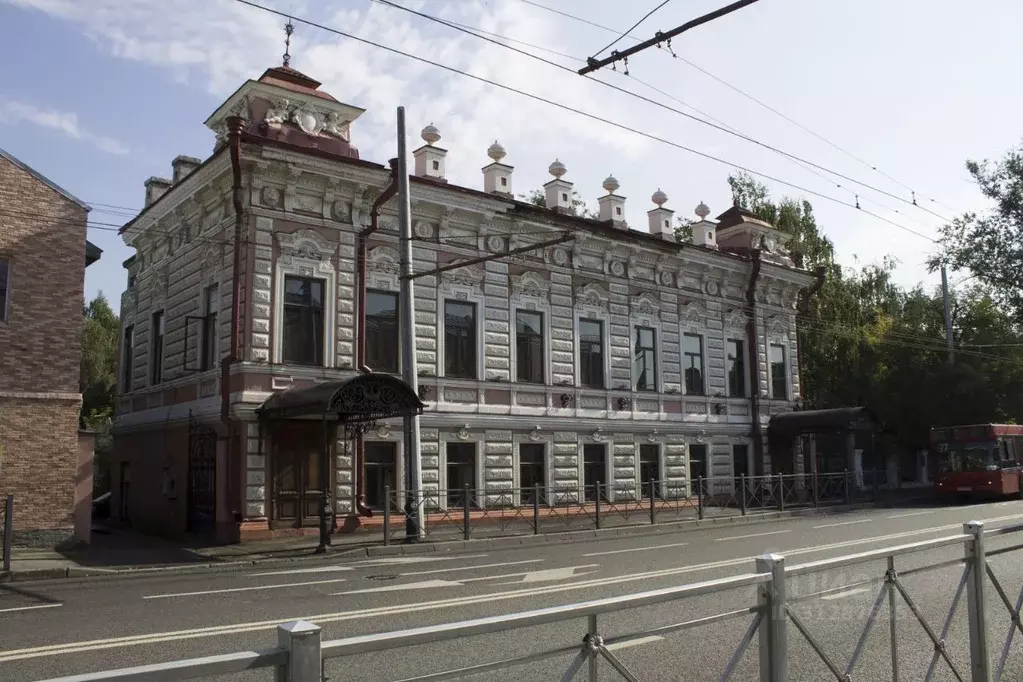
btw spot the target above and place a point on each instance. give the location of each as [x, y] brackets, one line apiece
[104, 94]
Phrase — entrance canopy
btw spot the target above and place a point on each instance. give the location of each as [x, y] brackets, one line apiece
[364, 398]
[791, 424]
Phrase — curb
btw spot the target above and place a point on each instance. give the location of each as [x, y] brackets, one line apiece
[497, 543]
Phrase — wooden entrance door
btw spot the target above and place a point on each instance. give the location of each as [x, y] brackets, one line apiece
[297, 482]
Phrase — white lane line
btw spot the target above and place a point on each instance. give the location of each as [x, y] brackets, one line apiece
[422, 585]
[634, 642]
[843, 595]
[752, 535]
[31, 608]
[243, 589]
[843, 523]
[902, 516]
[399, 560]
[470, 568]
[293, 571]
[637, 549]
[540, 576]
[527, 577]
[377, 612]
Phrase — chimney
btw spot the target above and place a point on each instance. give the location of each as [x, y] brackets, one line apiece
[558, 192]
[183, 165]
[156, 188]
[660, 217]
[430, 159]
[612, 206]
[497, 176]
[704, 231]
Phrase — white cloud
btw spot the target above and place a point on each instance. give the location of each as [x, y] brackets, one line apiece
[14, 112]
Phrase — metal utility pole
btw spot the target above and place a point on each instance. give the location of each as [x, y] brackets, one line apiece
[592, 64]
[414, 521]
[948, 315]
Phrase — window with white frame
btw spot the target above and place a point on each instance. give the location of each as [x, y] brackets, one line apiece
[5, 289]
[735, 367]
[529, 346]
[692, 363]
[779, 378]
[460, 339]
[644, 359]
[302, 333]
[591, 353]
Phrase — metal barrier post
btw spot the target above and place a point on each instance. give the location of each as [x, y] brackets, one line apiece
[742, 478]
[846, 484]
[536, 509]
[387, 515]
[774, 650]
[699, 497]
[980, 661]
[465, 512]
[301, 639]
[596, 510]
[653, 503]
[781, 492]
[593, 637]
[8, 531]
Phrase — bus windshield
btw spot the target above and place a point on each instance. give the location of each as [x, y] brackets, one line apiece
[961, 457]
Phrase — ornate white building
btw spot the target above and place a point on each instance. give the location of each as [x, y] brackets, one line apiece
[618, 357]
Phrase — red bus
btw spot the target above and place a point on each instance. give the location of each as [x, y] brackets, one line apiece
[979, 460]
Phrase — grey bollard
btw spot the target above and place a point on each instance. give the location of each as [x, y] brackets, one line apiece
[301, 639]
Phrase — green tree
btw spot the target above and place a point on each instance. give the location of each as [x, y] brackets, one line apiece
[98, 378]
[579, 207]
[990, 244]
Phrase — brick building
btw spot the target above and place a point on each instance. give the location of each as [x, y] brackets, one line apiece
[43, 256]
[617, 358]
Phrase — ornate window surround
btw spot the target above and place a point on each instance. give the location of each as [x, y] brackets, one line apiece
[776, 334]
[534, 437]
[465, 286]
[306, 253]
[646, 312]
[530, 292]
[662, 468]
[591, 303]
[735, 328]
[606, 439]
[477, 439]
[382, 263]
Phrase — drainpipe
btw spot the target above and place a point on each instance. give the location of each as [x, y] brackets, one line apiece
[751, 339]
[235, 125]
[360, 332]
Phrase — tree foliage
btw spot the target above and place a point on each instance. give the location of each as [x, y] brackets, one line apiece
[98, 377]
[579, 206]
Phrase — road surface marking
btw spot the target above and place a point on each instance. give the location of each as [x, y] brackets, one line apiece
[243, 589]
[547, 575]
[843, 595]
[321, 569]
[902, 516]
[398, 560]
[843, 523]
[637, 549]
[30, 608]
[470, 568]
[527, 576]
[752, 535]
[422, 585]
[377, 612]
[634, 642]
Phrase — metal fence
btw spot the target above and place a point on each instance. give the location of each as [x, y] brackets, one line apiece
[491, 511]
[300, 655]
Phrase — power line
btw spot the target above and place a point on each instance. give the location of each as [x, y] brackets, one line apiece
[661, 105]
[631, 28]
[751, 98]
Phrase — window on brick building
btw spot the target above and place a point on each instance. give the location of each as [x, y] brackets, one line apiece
[156, 330]
[210, 342]
[303, 321]
[382, 331]
[128, 357]
[460, 339]
[5, 288]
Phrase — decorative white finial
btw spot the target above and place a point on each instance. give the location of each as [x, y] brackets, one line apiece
[611, 184]
[659, 198]
[702, 210]
[496, 152]
[430, 134]
[557, 169]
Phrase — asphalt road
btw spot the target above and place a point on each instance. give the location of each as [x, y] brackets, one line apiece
[73, 626]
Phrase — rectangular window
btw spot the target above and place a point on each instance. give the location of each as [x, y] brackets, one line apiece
[381, 475]
[461, 474]
[692, 363]
[594, 471]
[382, 351]
[644, 359]
[460, 339]
[156, 330]
[127, 357]
[302, 334]
[779, 382]
[5, 289]
[735, 366]
[210, 342]
[591, 353]
[531, 471]
[649, 468]
[529, 346]
[697, 461]
[740, 460]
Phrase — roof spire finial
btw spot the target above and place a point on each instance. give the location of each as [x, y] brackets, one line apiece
[289, 28]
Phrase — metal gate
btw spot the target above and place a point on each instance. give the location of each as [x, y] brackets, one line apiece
[202, 476]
